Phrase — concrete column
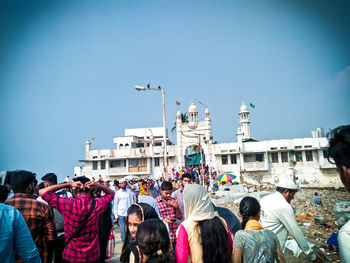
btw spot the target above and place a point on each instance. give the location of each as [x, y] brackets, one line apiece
[127, 165]
[320, 157]
[241, 159]
[149, 166]
[266, 156]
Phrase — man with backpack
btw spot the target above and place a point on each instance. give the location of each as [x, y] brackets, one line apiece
[81, 214]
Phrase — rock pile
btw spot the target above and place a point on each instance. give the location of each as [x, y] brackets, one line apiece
[317, 222]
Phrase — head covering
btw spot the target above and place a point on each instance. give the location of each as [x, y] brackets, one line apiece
[122, 180]
[197, 204]
[150, 201]
[50, 177]
[20, 179]
[288, 184]
[82, 179]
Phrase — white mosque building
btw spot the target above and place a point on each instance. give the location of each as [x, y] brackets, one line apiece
[140, 152]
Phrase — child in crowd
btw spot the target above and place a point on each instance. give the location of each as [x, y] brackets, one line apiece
[137, 213]
[153, 242]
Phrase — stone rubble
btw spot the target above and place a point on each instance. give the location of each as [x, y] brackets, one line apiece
[317, 222]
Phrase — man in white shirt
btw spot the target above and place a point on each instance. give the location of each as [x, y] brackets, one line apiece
[122, 201]
[278, 216]
[339, 151]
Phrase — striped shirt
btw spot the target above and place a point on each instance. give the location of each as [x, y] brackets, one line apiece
[39, 218]
[85, 247]
[167, 211]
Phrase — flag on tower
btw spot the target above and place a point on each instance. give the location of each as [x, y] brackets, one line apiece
[178, 103]
[252, 105]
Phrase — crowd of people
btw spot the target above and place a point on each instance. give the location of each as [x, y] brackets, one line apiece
[159, 221]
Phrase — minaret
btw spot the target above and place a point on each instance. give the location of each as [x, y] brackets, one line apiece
[244, 123]
[192, 116]
[239, 136]
[207, 120]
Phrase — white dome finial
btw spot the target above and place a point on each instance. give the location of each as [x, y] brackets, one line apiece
[192, 108]
[243, 107]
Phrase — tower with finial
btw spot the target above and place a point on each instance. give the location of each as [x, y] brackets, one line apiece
[191, 131]
[243, 131]
[192, 116]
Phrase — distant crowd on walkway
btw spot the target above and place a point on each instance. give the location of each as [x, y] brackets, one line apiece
[159, 220]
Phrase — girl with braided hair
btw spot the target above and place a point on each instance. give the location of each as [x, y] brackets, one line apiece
[153, 242]
[254, 243]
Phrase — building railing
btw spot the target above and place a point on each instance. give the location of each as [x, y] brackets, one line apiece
[327, 165]
[133, 169]
[255, 166]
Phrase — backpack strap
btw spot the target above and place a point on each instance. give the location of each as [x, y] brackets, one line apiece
[82, 223]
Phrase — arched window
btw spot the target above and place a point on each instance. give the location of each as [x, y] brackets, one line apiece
[121, 146]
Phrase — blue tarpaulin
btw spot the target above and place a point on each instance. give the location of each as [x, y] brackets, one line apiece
[333, 240]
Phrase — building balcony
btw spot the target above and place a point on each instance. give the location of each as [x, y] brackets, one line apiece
[255, 166]
[118, 170]
[327, 165]
[137, 169]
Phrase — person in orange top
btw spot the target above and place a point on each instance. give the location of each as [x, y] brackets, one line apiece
[144, 188]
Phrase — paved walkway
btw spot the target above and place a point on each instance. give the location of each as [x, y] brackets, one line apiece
[118, 245]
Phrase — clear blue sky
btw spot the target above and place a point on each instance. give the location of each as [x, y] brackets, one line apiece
[68, 68]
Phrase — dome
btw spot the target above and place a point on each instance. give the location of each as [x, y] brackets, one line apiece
[178, 113]
[206, 110]
[192, 108]
[243, 107]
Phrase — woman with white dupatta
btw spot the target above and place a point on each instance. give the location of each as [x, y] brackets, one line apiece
[204, 236]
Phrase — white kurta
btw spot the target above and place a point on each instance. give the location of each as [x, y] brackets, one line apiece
[344, 243]
[278, 216]
[122, 201]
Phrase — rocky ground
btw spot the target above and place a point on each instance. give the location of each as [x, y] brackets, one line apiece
[305, 213]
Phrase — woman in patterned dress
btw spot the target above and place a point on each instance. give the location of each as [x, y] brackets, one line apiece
[253, 243]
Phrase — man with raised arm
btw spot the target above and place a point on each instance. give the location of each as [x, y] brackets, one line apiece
[83, 247]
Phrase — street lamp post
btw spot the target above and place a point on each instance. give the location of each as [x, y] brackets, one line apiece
[139, 88]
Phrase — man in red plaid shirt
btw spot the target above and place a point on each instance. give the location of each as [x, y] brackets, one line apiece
[84, 247]
[169, 209]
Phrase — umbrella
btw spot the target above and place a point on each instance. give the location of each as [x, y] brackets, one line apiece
[226, 177]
